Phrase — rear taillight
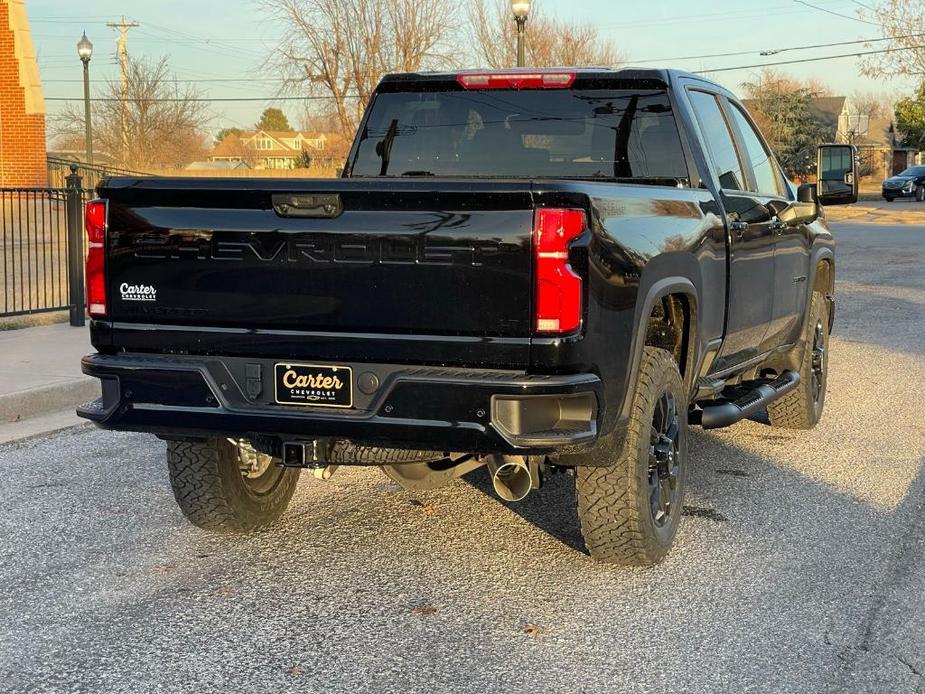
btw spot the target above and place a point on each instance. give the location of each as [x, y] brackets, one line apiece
[96, 258]
[516, 80]
[558, 288]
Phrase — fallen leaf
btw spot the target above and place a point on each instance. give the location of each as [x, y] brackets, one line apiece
[533, 630]
[424, 610]
[295, 671]
[427, 508]
[165, 568]
[223, 592]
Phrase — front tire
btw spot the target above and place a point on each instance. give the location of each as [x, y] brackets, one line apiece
[802, 407]
[225, 487]
[920, 194]
[630, 502]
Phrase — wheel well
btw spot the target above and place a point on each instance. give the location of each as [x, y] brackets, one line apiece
[825, 277]
[669, 328]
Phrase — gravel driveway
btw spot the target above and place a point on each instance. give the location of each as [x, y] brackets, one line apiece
[800, 566]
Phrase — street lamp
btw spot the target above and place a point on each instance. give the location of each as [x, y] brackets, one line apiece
[520, 8]
[85, 51]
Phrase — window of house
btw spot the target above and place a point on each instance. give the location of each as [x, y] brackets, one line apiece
[264, 143]
[719, 140]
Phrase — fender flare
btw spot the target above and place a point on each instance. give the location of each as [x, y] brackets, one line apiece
[659, 289]
[818, 253]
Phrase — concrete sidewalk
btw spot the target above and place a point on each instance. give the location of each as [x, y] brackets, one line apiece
[879, 211]
[40, 371]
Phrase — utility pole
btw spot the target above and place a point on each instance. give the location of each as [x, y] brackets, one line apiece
[122, 52]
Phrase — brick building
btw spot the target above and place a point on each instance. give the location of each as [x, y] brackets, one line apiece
[22, 106]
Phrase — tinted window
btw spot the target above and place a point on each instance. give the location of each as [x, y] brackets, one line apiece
[526, 134]
[719, 141]
[763, 163]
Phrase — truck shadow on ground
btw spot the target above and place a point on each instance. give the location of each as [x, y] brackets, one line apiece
[552, 508]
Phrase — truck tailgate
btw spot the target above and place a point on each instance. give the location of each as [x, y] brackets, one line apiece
[400, 257]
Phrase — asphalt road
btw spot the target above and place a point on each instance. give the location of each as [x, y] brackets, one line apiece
[800, 566]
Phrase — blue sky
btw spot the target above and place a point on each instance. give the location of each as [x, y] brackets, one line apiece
[214, 40]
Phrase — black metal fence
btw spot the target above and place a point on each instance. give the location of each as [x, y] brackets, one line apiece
[42, 249]
[59, 169]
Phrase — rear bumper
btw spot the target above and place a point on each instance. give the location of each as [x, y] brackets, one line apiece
[433, 408]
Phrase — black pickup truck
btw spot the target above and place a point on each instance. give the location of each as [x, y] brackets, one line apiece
[537, 272]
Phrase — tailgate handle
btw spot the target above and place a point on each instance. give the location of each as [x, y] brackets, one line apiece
[309, 205]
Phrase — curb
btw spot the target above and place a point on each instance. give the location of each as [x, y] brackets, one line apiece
[46, 399]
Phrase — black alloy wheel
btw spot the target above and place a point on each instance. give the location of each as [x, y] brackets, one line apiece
[818, 361]
[664, 461]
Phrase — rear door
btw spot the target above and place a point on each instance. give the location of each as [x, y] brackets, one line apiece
[752, 237]
[791, 241]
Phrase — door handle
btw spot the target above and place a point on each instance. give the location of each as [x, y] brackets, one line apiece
[738, 227]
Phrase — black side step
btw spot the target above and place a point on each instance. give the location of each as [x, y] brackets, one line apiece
[747, 401]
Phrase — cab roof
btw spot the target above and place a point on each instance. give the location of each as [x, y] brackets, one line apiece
[654, 77]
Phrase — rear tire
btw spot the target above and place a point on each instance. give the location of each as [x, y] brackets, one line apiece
[802, 407]
[222, 487]
[889, 199]
[630, 503]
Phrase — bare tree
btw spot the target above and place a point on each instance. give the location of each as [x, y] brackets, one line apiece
[903, 23]
[871, 104]
[550, 41]
[339, 49]
[164, 125]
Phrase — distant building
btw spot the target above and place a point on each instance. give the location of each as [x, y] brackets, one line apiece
[879, 147]
[270, 149]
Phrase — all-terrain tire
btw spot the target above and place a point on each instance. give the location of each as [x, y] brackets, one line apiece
[802, 407]
[614, 503]
[213, 494]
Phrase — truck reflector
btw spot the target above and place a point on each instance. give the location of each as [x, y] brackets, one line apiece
[558, 288]
[95, 223]
[518, 80]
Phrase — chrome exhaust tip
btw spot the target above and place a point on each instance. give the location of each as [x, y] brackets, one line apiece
[511, 478]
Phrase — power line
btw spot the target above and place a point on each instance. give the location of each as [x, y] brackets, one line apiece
[242, 80]
[310, 97]
[836, 14]
[774, 51]
[807, 60]
[737, 15]
[313, 97]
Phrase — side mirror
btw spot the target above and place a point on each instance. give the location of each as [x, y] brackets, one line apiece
[804, 210]
[837, 172]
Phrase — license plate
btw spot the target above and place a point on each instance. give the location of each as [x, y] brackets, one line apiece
[313, 384]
